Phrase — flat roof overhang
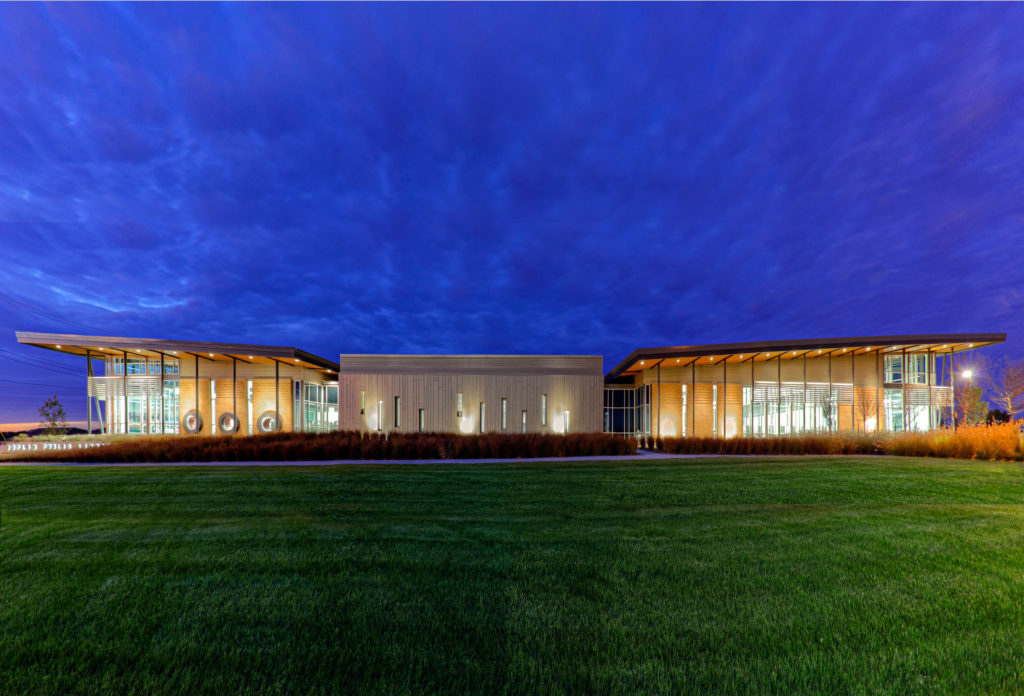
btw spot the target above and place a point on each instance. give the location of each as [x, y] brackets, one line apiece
[646, 358]
[111, 346]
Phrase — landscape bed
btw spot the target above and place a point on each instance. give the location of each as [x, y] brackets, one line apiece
[808, 575]
[281, 447]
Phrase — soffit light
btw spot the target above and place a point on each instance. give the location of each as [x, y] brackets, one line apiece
[210, 354]
[250, 357]
[969, 345]
[58, 346]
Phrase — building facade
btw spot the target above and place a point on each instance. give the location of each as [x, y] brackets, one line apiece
[471, 393]
[867, 383]
[156, 386]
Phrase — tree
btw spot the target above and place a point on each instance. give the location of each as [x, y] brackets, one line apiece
[1004, 381]
[971, 409]
[52, 418]
[996, 416]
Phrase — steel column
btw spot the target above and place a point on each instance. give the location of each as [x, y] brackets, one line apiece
[124, 383]
[803, 419]
[88, 389]
[903, 388]
[878, 387]
[725, 395]
[928, 368]
[658, 412]
[693, 398]
[853, 390]
[778, 397]
[163, 426]
[952, 387]
[832, 416]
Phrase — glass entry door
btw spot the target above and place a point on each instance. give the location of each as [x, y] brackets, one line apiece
[136, 414]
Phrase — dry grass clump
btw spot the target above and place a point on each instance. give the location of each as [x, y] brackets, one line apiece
[346, 445]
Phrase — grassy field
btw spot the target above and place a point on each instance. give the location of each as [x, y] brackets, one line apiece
[830, 575]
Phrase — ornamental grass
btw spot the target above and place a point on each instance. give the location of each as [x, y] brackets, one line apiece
[1002, 442]
[346, 445]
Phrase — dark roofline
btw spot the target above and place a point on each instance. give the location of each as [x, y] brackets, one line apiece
[46, 340]
[803, 344]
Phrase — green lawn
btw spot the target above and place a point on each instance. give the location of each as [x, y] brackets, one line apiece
[860, 575]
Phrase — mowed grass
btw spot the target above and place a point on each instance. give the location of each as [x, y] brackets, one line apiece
[828, 575]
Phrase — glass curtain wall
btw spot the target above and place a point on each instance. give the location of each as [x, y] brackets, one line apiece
[142, 402]
[319, 406]
[619, 411]
[769, 412]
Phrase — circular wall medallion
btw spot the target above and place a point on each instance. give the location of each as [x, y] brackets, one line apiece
[268, 422]
[192, 422]
[227, 423]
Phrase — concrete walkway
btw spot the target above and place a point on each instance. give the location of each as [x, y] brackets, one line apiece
[641, 455]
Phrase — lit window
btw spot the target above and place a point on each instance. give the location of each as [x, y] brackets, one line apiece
[458, 405]
[565, 421]
[362, 402]
[380, 414]
[504, 413]
[421, 420]
[543, 410]
[398, 411]
[483, 416]
[524, 422]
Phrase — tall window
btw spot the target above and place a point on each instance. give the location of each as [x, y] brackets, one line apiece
[504, 413]
[362, 402]
[894, 410]
[421, 420]
[380, 414]
[458, 405]
[894, 369]
[917, 369]
[565, 422]
[398, 412]
[683, 411]
[483, 416]
[544, 410]
[523, 429]
[714, 410]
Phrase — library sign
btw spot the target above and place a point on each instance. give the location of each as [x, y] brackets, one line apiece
[40, 447]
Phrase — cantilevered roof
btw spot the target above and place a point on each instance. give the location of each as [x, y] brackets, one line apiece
[644, 358]
[155, 347]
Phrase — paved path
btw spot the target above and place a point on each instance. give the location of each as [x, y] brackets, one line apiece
[641, 455]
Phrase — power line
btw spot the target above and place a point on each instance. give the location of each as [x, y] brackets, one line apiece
[42, 312]
[32, 363]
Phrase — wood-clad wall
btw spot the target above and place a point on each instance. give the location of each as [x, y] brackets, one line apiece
[262, 395]
[263, 400]
[432, 383]
[187, 402]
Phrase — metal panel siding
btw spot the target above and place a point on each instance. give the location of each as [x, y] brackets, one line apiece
[581, 395]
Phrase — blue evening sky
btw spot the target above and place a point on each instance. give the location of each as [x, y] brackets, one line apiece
[558, 178]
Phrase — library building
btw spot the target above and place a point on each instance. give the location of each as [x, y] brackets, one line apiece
[769, 388]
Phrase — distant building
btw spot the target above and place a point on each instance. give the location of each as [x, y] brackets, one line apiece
[867, 383]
